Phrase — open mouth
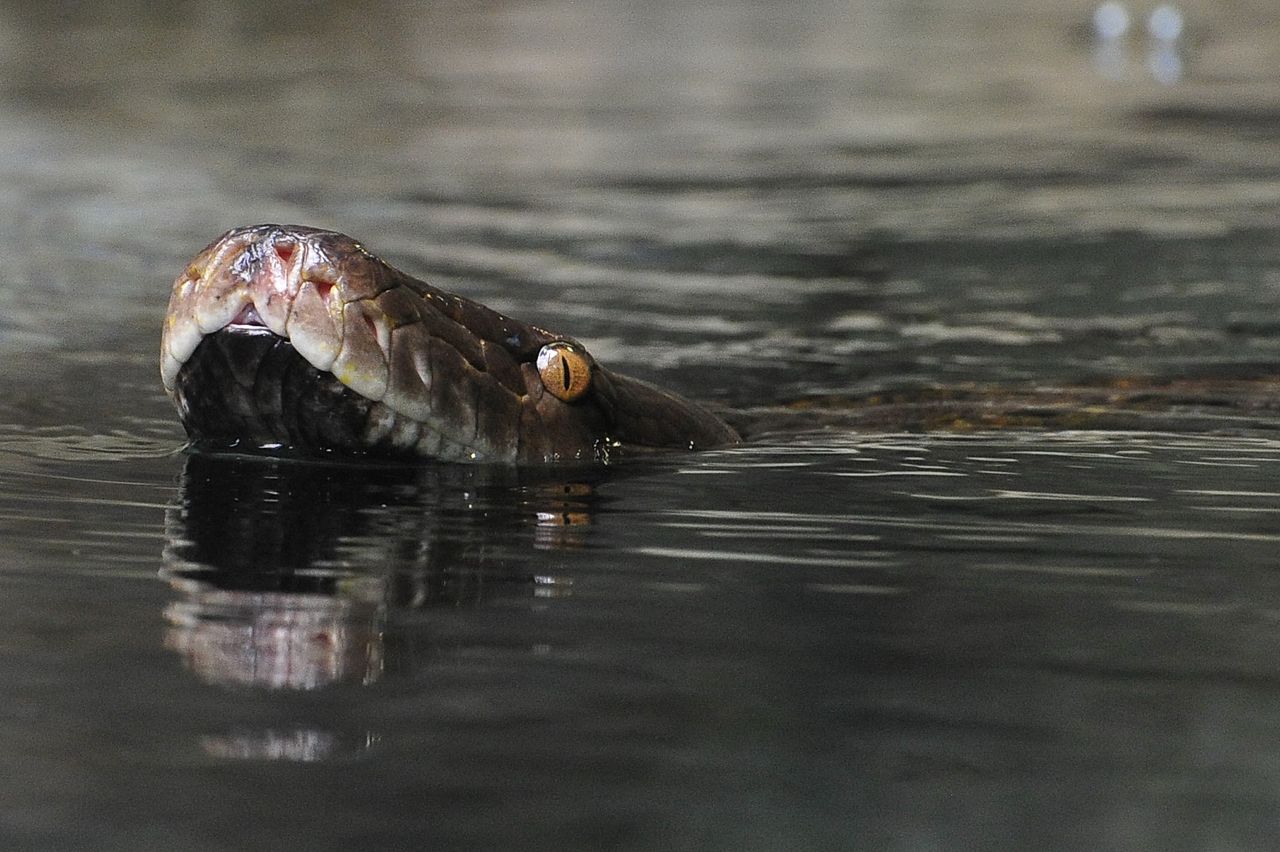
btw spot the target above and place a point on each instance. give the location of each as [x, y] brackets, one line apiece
[248, 318]
[245, 387]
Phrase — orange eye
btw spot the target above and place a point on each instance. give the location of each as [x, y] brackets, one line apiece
[565, 370]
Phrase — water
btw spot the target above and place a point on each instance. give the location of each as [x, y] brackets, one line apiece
[843, 634]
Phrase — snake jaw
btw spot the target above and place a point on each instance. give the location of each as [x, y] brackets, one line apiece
[312, 326]
[361, 363]
[180, 338]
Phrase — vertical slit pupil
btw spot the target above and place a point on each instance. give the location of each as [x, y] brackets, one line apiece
[566, 374]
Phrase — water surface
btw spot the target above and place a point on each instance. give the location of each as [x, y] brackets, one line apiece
[845, 633]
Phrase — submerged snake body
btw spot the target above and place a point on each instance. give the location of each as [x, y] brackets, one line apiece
[292, 336]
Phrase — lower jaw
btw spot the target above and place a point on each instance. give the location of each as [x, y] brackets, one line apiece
[245, 388]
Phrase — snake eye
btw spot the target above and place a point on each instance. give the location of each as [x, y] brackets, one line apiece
[565, 370]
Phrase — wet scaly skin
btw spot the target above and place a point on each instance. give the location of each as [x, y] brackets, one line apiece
[297, 337]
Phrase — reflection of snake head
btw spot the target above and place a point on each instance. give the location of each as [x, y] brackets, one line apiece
[295, 336]
[275, 639]
[290, 574]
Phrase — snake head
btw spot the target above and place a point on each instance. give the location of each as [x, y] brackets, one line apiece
[288, 335]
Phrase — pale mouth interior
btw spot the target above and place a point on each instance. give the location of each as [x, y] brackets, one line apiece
[248, 317]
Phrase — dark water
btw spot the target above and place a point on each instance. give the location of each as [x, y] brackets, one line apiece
[830, 638]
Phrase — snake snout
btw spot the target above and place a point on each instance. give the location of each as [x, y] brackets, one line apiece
[284, 249]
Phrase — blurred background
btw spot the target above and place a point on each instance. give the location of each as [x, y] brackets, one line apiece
[750, 201]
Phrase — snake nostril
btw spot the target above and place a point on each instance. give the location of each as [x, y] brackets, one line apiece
[322, 286]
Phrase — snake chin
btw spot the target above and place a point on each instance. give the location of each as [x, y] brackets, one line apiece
[246, 388]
